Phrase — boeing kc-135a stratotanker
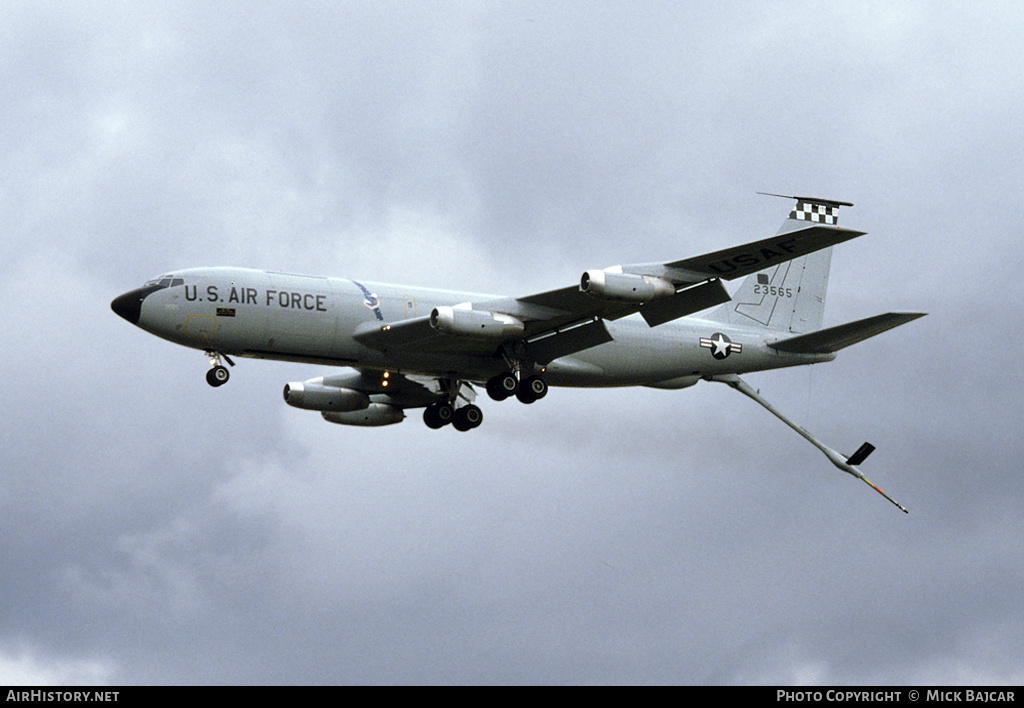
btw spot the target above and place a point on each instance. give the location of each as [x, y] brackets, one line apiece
[630, 325]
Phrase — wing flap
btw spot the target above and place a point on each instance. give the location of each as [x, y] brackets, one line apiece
[685, 302]
[832, 339]
[568, 340]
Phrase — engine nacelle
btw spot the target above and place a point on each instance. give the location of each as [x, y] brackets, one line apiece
[373, 415]
[625, 286]
[479, 324]
[312, 395]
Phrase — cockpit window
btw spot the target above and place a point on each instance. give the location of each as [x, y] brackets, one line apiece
[164, 281]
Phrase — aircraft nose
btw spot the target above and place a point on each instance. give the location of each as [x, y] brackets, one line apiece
[129, 305]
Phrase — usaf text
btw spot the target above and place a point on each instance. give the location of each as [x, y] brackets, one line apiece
[249, 296]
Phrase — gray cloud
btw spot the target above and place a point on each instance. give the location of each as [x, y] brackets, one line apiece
[157, 531]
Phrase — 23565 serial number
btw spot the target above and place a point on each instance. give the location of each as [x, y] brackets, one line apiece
[775, 291]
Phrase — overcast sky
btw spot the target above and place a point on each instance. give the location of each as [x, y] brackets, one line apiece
[155, 530]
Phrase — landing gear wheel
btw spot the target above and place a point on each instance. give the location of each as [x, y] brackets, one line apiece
[502, 386]
[438, 415]
[217, 376]
[431, 419]
[532, 389]
[467, 418]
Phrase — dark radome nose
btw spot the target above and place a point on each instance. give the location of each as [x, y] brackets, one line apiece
[129, 305]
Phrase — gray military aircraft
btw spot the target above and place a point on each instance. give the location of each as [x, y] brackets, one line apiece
[621, 326]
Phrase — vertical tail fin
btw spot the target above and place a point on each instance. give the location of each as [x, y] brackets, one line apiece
[789, 297]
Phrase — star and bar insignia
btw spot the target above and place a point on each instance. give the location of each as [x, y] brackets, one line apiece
[720, 345]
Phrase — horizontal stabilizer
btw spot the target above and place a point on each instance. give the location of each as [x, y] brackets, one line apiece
[820, 211]
[862, 454]
[832, 339]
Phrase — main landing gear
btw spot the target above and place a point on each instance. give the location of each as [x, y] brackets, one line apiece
[441, 413]
[218, 374]
[532, 388]
[500, 387]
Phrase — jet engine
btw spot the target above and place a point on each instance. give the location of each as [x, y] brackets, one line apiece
[625, 286]
[313, 395]
[375, 414]
[478, 324]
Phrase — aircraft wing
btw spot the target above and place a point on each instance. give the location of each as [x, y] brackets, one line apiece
[696, 280]
[547, 339]
[795, 239]
[560, 322]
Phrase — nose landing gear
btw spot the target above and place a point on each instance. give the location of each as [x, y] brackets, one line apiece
[218, 374]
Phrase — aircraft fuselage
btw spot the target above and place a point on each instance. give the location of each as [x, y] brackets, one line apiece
[311, 319]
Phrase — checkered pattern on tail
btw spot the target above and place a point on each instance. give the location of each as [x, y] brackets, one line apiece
[818, 213]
